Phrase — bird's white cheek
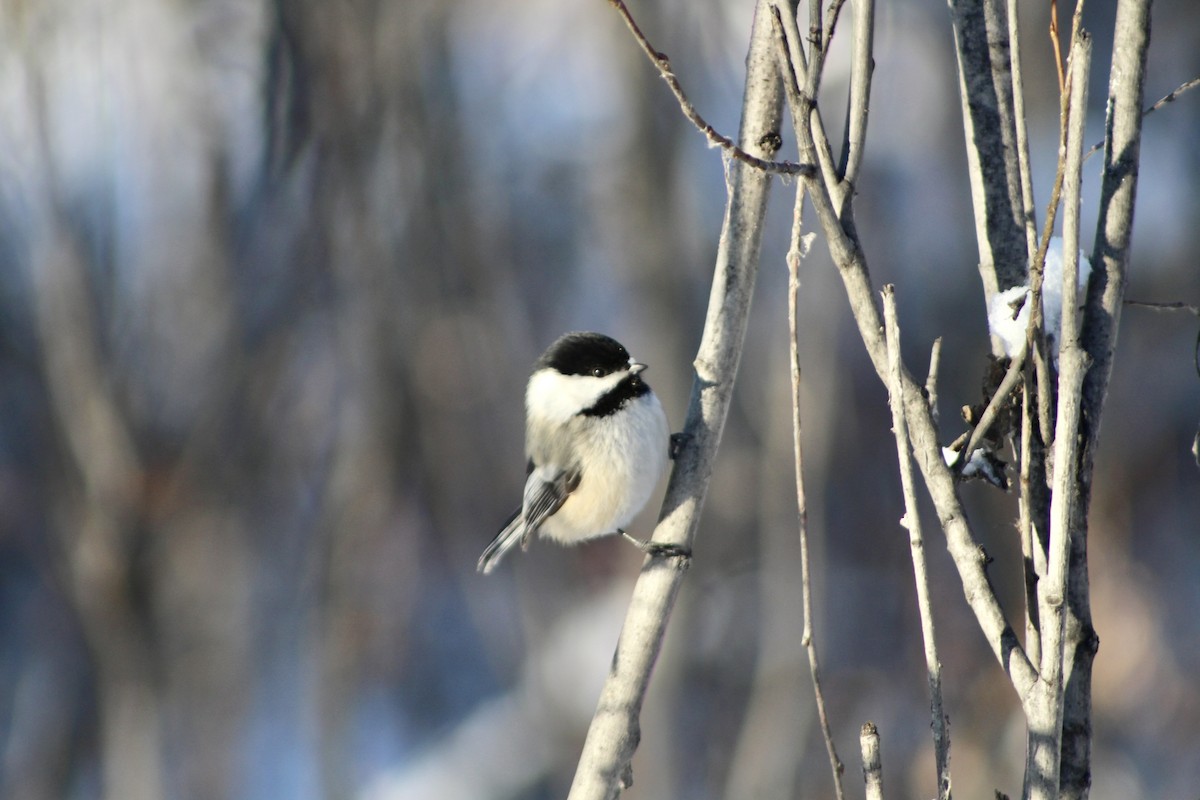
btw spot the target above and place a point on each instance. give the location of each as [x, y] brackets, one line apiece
[554, 397]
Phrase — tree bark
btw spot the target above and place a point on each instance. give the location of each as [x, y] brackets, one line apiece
[604, 766]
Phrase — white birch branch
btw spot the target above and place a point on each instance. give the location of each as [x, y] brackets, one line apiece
[1106, 293]
[862, 65]
[1118, 191]
[795, 253]
[868, 740]
[969, 558]
[989, 123]
[912, 522]
[1046, 718]
[604, 766]
[1022, 130]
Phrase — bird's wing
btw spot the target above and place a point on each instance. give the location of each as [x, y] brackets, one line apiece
[545, 491]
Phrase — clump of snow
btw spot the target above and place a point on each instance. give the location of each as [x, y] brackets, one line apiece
[1008, 312]
[1008, 318]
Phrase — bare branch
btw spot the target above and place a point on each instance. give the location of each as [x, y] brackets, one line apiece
[604, 765]
[818, 40]
[989, 123]
[796, 69]
[1046, 720]
[1175, 306]
[1123, 132]
[1033, 556]
[716, 139]
[999, 398]
[872, 761]
[808, 639]
[1035, 338]
[861, 67]
[1106, 291]
[912, 521]
[1057, 46]
[1170, 97]
[969, 559]
[931, 380]
[1022, 131]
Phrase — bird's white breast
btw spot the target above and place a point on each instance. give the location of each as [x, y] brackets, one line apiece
[624, 456]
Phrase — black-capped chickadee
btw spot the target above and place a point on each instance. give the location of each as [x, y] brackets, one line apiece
[597, 441]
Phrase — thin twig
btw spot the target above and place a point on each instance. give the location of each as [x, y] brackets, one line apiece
[816, 47]
[792, 66]
[822, 50]
[868, 740]
[847, 254]
[1035, 339]
[1022, 130]
[1057, 45]
[916, 540]
[1031, 549]
[807, 639]
[1170, 97]
[999, 397]
[795, 70]
[831, 20]
[663, 64]
[1176, 306]
[931, 380]
[861, 68]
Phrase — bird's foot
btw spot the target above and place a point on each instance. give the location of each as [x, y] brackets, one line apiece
[659, 549]
[678, 442]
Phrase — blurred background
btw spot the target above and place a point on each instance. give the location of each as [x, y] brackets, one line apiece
[272, 276]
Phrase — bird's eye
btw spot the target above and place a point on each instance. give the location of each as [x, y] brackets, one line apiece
[597, 372]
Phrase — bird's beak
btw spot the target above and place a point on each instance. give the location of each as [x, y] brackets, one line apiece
[635, 367]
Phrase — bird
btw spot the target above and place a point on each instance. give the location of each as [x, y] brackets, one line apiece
[597, 442]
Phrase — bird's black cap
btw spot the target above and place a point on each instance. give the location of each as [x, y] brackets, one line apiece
[584, 354]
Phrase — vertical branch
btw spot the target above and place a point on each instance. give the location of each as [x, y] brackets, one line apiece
[989, 124]
[807, 639]
[604, 765]
[1073, 364]
[848, 255]
[1045, 725]
[912, 521]
[1118, 191]
[931, 379]
[862, 65]
[1032, 554]
[1022, 131]
[872, 761]
[1056, 45]
[797, 67]
[1098, 337]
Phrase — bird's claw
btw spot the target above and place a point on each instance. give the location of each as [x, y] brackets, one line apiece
[667, 550]
[678, 442]
[660, 549]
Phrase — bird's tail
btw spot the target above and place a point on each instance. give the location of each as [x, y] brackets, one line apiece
[509, 537]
